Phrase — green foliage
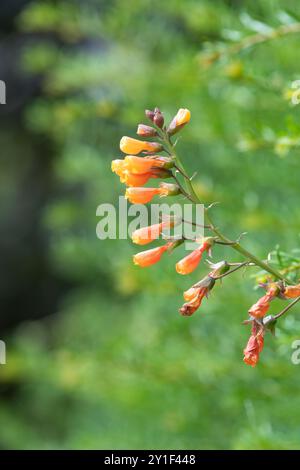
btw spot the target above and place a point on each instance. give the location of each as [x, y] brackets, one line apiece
[116, 366]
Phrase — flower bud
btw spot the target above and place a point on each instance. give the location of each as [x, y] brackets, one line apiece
[182, 117]
[156, 117]
[149, 114]
[146, 131]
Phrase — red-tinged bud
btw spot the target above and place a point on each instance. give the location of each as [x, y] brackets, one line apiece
[146, 164]
[134, 146]
[158, 118]
[291, 292]
[253, 349]
[182, 117]
[149, 114]
[191, 261]
[146, 131]
[149, 257]
[195, 295]
[146, 235]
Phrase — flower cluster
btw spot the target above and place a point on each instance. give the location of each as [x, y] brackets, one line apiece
[156, 159]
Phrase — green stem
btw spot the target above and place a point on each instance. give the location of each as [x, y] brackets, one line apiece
[194, 198]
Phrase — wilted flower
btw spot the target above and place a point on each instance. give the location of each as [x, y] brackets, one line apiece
[260, 308]
[134, 146]
[254, 346]
[190, 262]
[195, 294]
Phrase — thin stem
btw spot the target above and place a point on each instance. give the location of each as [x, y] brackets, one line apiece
[183, 191]
[241, 265]
[286, 309]
[260, 38]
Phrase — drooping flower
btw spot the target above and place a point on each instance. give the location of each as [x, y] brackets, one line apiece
[261, 307]
[118, 166]
[182, 117]
[141, 195]
[195, 295]
[144, 195]
[291, 292]
[134, 146]
[136, 171]
[143, 164]
[133, 180]
[254, 346]
[190, 262]
[146, 235]
[149, 257]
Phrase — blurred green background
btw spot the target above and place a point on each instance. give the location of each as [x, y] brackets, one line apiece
[97, 354]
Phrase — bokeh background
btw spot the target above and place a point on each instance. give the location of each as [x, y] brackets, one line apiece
[97, 354]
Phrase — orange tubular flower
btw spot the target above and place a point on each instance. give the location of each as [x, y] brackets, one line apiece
[141, 195]
[292, 292]
[144, 195]
[149, 257]
[146, 235]
[118, 166]
[191, 261]
[134, 146]
[130, 179]
[260, 308]
[139, 165]
[254, 346]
